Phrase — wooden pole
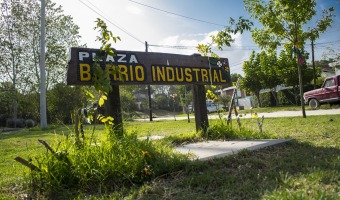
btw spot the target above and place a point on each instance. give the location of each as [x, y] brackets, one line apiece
[232, 102]
[200, 107]
[113, 108]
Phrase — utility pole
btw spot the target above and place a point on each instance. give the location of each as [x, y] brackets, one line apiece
[43, 118]
[313, 63]
[149, 88]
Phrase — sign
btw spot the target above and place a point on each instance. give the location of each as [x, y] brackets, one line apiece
[131, 67]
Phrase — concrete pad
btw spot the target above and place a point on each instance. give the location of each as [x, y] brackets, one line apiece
[152, 137]
[216, 149]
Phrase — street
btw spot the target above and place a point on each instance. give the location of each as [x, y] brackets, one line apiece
[265, 114]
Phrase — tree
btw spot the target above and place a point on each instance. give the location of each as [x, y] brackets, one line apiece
[12, 45]
[224, 37]
[224, 100]
[251, 81]
[185, 96]
[61, 34]
[127, 98]
[282, 21]
[287, 71]
[315, 32]
[334, 56]
[20, 43]
[5, 101]
[63, 101]
[269, 68]
[234, 77]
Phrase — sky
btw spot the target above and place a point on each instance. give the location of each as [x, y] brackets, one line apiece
[178, 26]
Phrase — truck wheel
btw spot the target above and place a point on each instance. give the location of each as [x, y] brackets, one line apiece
[314, 104]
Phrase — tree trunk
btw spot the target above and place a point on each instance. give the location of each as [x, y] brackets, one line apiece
[257, 94]
[274, 93]
[295, 95]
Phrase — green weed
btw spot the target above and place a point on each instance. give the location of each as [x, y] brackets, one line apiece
[305, 168]
[220, 130]
[101, 167]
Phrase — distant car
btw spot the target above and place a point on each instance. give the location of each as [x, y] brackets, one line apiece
[212, 107]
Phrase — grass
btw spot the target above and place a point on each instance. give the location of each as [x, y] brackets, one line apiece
[305, 168]
[162, 128]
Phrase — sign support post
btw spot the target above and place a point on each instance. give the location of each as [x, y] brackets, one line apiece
[200, 107]
[112, 108]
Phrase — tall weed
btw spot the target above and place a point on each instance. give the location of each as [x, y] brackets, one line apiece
[108, 165]
[220, 130]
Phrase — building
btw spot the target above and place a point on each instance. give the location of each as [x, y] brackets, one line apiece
[242, 100]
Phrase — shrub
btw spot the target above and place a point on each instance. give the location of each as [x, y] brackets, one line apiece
[108, 165]
[15, 123]
[219, 131]
[267, 99]
[223, 131]
[29, 123]
[287, 97]
[20, 123]
[10, 123]
[3, 118]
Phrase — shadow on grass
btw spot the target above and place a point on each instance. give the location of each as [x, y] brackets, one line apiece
[38, 133]
[292, 170]
[27, 134]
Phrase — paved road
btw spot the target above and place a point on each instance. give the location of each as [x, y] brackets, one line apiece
[298, 113]
[266, 115]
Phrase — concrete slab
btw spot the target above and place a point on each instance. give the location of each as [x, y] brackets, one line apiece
[152, 137]
[216, 149]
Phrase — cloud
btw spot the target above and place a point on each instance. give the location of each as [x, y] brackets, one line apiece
[186, 45]
[134, 10]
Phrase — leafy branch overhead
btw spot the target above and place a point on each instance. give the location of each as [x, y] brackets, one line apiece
[101, 79]
[105, 37]
[283, 21]
[224, 37]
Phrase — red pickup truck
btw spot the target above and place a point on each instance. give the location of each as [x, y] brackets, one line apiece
[328, 93]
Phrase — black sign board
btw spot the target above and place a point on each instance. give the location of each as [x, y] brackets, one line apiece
[131, 67]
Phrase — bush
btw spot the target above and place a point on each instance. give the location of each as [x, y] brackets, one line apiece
[20, 123]
[10, 123]
[3, 118]
[223, 131]
[108, 165]
[267, 99]
[29, 123]
[286, 97]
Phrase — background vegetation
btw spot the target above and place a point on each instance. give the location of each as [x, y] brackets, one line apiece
[306, 167]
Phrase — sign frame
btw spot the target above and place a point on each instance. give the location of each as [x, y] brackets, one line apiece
[148, 68]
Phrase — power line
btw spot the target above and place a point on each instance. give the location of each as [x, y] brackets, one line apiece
[233, 48]
[120, 28]
[331, 42]
[172, 46]
[179, 15]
